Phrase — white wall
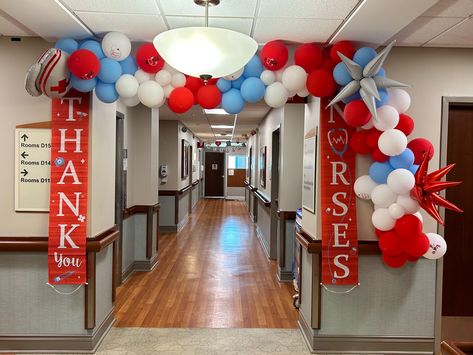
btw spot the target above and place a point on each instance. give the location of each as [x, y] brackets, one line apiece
[168, 153]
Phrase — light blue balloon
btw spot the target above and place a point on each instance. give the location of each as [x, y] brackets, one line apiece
[379, 172]
[253, 68]
[383, 94]
[364, 55]
[110, 70]
[94, 47]
[381, 72]
[83, 85]
[252, 89]
[128, 65]
[224, 85]
[403, 160]
[232, 102]
[237, 82]
[341, 74]
[413, 168]
[67, 45]
[355, 96]
[106, 92]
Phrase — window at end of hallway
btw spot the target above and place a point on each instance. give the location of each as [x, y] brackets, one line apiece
[237, 162]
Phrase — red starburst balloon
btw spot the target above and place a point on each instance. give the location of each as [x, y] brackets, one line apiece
[427, 188]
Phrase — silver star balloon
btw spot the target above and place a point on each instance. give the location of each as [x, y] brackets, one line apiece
[365, 80]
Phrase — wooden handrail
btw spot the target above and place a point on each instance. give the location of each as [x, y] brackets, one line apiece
[262, 198]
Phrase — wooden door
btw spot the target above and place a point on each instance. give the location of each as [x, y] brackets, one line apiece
[458, 261]
[214, 174]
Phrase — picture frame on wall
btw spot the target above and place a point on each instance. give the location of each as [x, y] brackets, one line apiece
[262, 167]
[309, 165]
[185, 156]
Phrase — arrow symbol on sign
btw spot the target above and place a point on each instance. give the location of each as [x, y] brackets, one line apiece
[24, 172]
[24, 155]
[24, 137]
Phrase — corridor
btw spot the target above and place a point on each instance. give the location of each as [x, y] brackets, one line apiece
[212, 274]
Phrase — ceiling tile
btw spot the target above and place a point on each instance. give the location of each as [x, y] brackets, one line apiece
[227, 8]
[459, 36]
[423, 29]
[451, 8]
[298, 30]
[320, 9]
[9, 28]
[123, 6]
[137, 27]
[235, 24]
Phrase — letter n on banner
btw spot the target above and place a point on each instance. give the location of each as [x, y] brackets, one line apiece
[68, 193]
[338, 200]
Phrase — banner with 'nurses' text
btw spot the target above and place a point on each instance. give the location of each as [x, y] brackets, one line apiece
[338, 200]
[68, 193]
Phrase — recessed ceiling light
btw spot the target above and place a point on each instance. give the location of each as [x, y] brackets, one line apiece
[221, 126]
[216, 111]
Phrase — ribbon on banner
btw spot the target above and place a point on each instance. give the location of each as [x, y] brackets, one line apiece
[338, 200]
[68, 192]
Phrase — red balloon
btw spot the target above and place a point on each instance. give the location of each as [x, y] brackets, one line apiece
[358, 142]
[328, 64]
[193, 83]
[274, 55]
[379, 232]
[356, 114]
[408, 226]
[395, 261]
[344, 47]
[148, 58]
[209, 96]
[217, 143]
[379, 156]
[308, 56]
[412, 259]
[320, 83]
[373, 138]
[180, 100]
[406, 124]
[84, 64]
[417, 246]
[419, 147]
[390, 244]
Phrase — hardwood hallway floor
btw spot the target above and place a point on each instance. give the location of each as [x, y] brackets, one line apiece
[213, 274]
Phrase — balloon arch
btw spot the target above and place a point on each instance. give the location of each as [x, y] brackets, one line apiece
[398, 183]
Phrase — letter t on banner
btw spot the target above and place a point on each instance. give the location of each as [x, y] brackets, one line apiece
[68, 193]
[338, 200]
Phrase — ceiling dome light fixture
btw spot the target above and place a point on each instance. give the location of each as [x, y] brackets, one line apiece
[205, 52]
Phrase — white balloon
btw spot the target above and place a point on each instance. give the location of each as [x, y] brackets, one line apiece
[150, 93]
[396, 211]
[383, 196]
[392, 142]
[127, 86]
[382, 220]
[401, 181]
[294, 78]
[167, 90]
[368, 125]
[170, 69]
[116, 45]
[303, 93]
[410, 205]
[143, 76]
[235, 75]
[419, 215]
[276, 95]
[268, 77]
[437, 246]
[178, 80]
[399, 99]
[388, 118]
[292, 93]
[130, 101]
[279, 74]
[163, 77]
[364, 186]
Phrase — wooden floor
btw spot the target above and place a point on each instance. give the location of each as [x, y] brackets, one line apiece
[213, 274]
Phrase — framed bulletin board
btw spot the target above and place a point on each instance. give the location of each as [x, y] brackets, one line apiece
[185, 156]
[262, 167]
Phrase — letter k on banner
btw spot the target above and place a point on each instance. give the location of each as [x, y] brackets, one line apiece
[68, 193]
[338, 200]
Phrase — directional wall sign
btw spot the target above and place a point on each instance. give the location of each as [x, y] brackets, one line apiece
[32, 169]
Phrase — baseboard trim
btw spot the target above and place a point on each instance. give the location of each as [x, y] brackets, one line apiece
[140, 265]
[284, 275]
[182, 223]
[261, 240]
[168, 229]
[238, 198]
[85, 344]
[364, 344]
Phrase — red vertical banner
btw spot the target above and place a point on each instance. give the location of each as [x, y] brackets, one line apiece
[338, 200]
[68, 193]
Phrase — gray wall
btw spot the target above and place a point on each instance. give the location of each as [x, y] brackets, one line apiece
[263, 226]
[104, 286]
[166, 211]
[128, 247]
[184, 209]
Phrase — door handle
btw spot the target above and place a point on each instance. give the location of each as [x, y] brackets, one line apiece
[223, 176]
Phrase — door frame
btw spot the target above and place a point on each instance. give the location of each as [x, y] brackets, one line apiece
[446, 102]
[275, 176]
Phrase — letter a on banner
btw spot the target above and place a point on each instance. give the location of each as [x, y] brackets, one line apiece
[68, 193]
[338, 200]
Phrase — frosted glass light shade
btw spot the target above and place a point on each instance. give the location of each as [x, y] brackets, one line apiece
[210, 51]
